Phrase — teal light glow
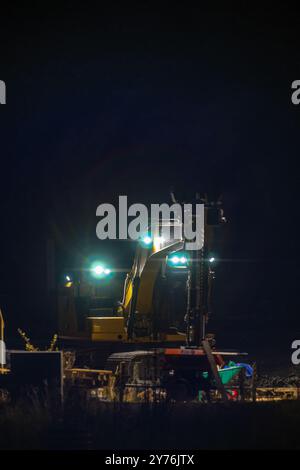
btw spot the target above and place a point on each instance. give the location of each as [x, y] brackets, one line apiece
[178, 260]
[98, 270]
[146, 241]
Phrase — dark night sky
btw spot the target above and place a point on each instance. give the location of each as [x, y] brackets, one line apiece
[105, 103]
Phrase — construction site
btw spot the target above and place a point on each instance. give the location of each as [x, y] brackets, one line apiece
[148, 355]
[149, 293]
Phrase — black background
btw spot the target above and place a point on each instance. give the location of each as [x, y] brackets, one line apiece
[106, 102]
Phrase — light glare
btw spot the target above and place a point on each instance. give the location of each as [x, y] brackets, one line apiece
[98, 270]
[147, 240]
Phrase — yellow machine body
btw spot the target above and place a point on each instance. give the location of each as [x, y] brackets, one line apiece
[107, 328]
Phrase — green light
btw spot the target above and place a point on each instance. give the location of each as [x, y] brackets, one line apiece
[146, 241]
[99, 271]
[211, 260]
[179, 260]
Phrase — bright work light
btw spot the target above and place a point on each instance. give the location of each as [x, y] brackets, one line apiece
[178, 260]
[99, 271]
[146, 241]
[68, 280]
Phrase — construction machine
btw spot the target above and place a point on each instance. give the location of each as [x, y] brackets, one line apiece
[147, 312]
[156, 336]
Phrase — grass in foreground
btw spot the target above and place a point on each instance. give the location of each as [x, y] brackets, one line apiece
[37, 424]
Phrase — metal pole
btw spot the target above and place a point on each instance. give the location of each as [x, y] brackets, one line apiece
[1, 337]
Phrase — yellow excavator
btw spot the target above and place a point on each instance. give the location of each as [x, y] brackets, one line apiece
[157, 333]
[155, 294]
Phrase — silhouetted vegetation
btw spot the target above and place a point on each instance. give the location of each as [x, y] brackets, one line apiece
[43, 424]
